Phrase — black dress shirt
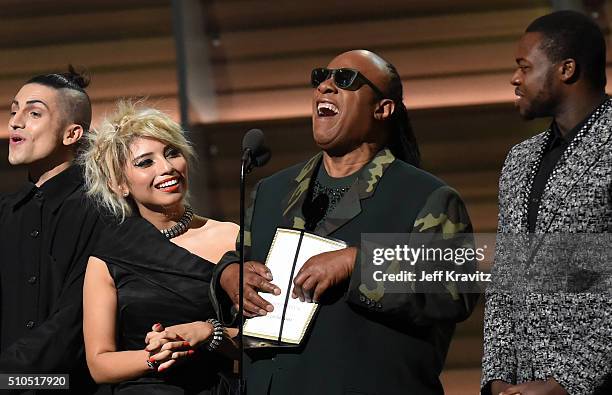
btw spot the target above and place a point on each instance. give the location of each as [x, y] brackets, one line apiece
[555, 148]
[46, 237]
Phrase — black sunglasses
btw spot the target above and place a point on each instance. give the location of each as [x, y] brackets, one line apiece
[347, 79]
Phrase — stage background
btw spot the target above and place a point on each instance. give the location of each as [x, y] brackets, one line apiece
[224, 67]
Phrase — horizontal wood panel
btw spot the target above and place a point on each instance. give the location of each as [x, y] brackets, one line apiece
[425, 93]
[373, 34]
[155, 81]
[454, 91]
[80, 26]
[241, 15]
[97, 57]
[411, 63]
[167, 103]
[289, 103]
[480, 124]
[29, 8]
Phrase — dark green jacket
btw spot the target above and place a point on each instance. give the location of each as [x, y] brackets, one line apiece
[363, 341]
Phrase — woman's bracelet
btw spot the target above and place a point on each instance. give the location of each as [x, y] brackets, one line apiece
[217, 335]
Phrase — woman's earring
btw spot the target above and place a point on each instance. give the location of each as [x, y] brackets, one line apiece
[126, 193]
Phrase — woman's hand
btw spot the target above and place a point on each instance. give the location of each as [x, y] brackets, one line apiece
[167, 345]
[195, 333]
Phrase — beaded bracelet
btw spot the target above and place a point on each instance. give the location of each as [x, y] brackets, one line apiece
[217, 335]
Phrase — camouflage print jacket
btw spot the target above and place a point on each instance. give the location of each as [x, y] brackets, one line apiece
[363, 340]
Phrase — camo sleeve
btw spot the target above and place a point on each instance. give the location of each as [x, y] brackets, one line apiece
[442, 221]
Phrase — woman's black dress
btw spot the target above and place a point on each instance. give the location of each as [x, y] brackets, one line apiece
[160, 282]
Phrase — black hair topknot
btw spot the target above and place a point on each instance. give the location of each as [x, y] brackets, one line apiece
[69, 80]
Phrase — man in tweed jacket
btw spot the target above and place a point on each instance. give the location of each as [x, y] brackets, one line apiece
[557, 182]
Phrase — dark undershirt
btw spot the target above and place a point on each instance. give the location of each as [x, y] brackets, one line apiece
[552, 153]
[333, 187]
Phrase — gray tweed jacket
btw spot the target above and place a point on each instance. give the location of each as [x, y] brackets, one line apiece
[563, 333]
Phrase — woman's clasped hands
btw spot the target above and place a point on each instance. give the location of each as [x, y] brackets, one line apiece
[167, 346]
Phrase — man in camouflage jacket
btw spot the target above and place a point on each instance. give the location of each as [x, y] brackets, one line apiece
[363, 339]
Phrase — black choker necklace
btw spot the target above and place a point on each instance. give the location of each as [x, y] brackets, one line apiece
[181, 226]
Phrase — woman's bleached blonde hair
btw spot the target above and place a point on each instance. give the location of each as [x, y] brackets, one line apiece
[107, 150]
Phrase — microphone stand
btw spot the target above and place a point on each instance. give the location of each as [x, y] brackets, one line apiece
[245, 168]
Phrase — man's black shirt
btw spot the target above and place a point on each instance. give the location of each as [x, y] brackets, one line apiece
[553, 151]
[46, 236]
[551, 155]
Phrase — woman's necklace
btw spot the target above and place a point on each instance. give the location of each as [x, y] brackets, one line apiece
[181, 226]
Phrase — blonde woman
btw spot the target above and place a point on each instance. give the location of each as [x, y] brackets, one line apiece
[148, 321]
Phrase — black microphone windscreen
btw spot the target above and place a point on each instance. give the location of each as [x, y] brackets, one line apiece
[253, 140]
[315, 210]
[262, 157]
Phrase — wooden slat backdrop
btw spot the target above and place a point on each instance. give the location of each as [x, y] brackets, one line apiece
[455, 59]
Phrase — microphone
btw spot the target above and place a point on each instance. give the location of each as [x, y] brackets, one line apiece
[254, 150]
[254, 154]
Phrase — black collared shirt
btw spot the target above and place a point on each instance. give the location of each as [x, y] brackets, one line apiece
[553, 151]
[46, 237]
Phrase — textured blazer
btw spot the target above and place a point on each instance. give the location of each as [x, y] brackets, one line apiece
[563, 331]
[364, 340]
